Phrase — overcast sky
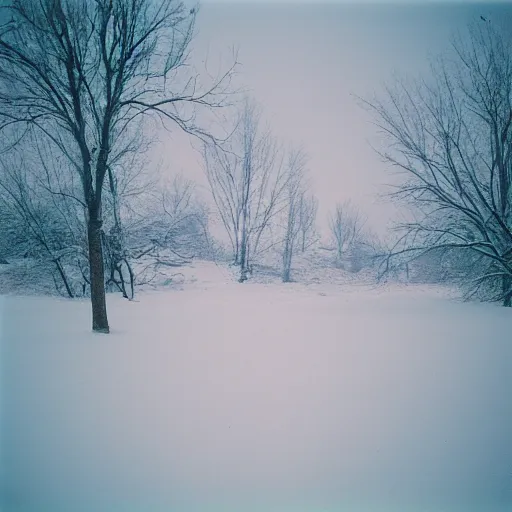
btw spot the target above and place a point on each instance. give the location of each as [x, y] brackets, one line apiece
[303, 63]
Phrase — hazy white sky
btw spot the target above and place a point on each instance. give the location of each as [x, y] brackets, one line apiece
[303, 63]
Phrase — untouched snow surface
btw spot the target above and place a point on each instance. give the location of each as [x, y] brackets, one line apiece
[217, 396]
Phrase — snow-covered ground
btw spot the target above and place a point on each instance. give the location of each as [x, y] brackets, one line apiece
[261, 397]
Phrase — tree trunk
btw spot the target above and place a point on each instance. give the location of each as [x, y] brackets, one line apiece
[507, 291]
[243, 246]
[243, 256]
[237, 248]
[286, 271]
[97, 274]
[286, 259]
[62, 274]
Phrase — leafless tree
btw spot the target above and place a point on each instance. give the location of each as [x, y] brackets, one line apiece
[345, 225]
[451, 136]
[248, 181]
[295, 197]
[184, 219]
[128, 188]
[147, 220]
[308, 209]
[84, 71]
[120, 272]
[39, 222]
[168, 230]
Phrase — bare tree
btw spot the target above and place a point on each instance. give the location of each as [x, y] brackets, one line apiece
[248, 182]
[221, 169]
[120, 272]
[184, 219]
[308, 209]
[295, 196]
[168, 229]
[345, 225]
[451, 136]
[37, 223]
[146, 220]
[83, 72]
[126, 188]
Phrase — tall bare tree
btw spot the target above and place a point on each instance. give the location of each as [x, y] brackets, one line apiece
[451, 136]
[84, 71]
[40, 221]
[308, 209]
[345, 225]
[295, 196]
[128, 185]
[248, 181]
